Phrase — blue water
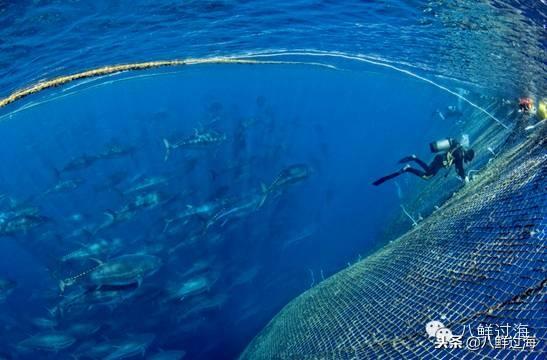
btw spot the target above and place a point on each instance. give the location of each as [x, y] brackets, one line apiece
[347, 125]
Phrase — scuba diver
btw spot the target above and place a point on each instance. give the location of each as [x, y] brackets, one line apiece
[451, 111]
[453, 153]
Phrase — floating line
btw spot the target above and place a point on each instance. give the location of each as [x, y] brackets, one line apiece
[113, 69]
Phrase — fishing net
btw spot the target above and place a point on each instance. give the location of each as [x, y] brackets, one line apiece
[478, 262]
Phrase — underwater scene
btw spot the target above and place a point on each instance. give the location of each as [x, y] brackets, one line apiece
[250, 179]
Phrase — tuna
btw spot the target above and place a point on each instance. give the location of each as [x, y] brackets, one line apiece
[21, 223]
[48, 341]
[125, 270]
[288, 176]
[128, 211]
[97, 249]
[79, 163]
[116, 151]
[168, 355]
[63, 186]
[87, 299]
[240, 209]
[146, 184]
[44, 323]
[83, 330]
[199, 139]
[191, 287]
[206, 210]
[85, 161]
[121, 271]
[137, 345]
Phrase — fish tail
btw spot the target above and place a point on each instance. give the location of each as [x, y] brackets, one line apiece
[56, 173]
[166, 226]
[62, 285]
[52, 311]
[265, 193]
[168, 148]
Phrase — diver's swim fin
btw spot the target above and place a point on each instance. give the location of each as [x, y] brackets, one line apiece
[382, 180]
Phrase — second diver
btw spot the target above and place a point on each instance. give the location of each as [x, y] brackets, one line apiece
[451, 152]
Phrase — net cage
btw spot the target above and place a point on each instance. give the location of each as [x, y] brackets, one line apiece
[477, 265]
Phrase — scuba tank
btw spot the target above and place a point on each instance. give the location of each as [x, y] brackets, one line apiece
[441, 145]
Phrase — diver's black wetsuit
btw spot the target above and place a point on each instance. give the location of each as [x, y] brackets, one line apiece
[455, 156]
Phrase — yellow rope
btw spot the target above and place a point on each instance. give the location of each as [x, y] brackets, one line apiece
[111, 69]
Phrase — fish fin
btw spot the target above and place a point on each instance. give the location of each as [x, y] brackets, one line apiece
[118, 192]
[110, 214]
[262, 201]
[80, 243]
[99, 262]
[168, 147]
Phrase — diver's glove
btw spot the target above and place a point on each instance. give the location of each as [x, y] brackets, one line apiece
[466, 179]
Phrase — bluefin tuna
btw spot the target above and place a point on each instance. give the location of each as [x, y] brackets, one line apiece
[239, 209]
[205, 210]
[78, 163]
[199, 139]
[191, 287]
[128, 211]
[125, 270]
[21, 224]
[44, 323]
[96, 249]
[145, 184]
[137, 345]
[48, 341]
[113, 151]
[63, 186]
[168, 355]
[288, 176]
[121, 271]
[83, 329]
